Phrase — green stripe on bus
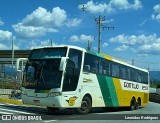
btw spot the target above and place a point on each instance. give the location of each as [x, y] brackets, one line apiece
[90, 52]
[112, 91]
[108, 90]
[96, 54]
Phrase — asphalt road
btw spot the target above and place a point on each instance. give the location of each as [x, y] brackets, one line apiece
[63, 116]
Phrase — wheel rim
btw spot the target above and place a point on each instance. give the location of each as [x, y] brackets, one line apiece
[132, 105]
[138, 103]
[84, 105]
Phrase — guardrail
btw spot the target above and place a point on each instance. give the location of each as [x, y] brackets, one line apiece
[154, 95]
[154, 98]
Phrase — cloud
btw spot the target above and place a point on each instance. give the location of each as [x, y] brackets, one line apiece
[96, 7]
[31, 31]
[81, 38]
[133, 39]
[150, 49]
[104, 44]
[157, 8]
[40, 22]
[124, 4]
[156, 14]
[108, 21]
[73, 22]
[42, 17]
[1, 22]
[3, 47]
[112, 6]
[141, 44]
[122, 48]
[74, 38]
[5, 35]
[6, 47]
[40, 43]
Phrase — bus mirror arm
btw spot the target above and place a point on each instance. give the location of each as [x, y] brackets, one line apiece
[18, 63]
[64, 73]
[63, 63]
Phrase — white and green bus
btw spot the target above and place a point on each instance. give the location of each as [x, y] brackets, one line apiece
[72, 77]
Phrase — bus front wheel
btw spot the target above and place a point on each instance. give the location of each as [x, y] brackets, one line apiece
[86, 106]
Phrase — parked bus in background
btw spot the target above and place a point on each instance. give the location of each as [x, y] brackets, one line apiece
[72, 77]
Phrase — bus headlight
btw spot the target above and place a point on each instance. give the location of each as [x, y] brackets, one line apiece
[53, 94]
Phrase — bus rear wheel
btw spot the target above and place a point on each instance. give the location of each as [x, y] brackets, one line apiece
[133, 104]
[138, 104]
[86, 106]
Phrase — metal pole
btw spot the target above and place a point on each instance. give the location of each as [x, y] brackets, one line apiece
[132, 61]
[51, 42]
[12, 59]
[99, 21]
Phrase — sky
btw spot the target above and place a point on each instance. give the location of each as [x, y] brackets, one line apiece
[33, 23]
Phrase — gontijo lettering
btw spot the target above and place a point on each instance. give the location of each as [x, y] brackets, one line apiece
[131, 85]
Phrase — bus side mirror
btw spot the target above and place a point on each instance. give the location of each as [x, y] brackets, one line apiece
[20, 62]
[86, 68]
[63, 63]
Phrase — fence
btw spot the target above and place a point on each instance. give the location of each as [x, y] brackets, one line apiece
[7, 85]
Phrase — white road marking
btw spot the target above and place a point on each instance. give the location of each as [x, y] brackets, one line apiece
[5, 112]
[74, 116]
[47, 121]
[16, 111]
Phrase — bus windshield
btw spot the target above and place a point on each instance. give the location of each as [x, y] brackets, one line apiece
[42, 74]
[42, 69]
[48, 53]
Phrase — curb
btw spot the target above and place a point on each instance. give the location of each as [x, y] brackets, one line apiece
[11, 101]
[16, 102]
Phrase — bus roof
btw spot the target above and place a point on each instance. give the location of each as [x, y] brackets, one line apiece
[59, 46]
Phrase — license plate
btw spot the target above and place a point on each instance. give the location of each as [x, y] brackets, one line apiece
[36, 101]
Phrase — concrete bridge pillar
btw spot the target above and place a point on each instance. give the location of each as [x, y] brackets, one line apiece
[2, 70]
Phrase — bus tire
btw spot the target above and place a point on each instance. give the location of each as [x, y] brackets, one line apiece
[138, 103]
[86, 106]
[133, 104]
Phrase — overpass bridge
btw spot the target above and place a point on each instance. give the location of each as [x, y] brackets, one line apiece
[6, 57]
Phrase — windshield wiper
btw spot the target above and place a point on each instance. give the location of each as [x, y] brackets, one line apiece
[41, 81]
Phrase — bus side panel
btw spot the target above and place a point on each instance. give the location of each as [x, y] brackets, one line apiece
[125, 95]
[90, 85]
[108, 91]
[119, 92]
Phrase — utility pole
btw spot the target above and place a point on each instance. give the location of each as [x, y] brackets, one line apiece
[12, 64]
[132, 61]
[89, 45]
[99, 21]
[12, 56]
[100, 25]
[51, 42]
